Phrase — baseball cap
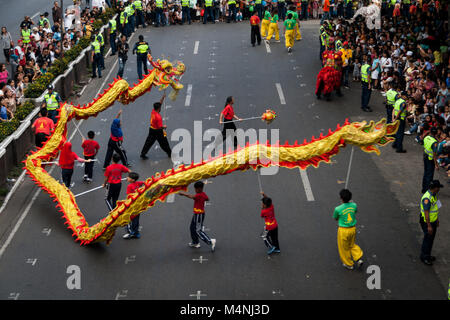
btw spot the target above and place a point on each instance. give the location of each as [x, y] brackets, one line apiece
[345, 43]
[436, 184]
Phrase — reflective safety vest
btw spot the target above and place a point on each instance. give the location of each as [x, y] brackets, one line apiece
[390, 96]
[434, 210]
[258, 1]
[138, 5]
[41, 22]
[159, 3]
[130, 9]
[397, 108]
[123, 19]
[365, 73]
[280, 1]
[113, 25]
[338, 45]
[26, 36]
[428, 146]
[231, 2]
[142, 47]
[51, 101]
[185, 3]
[208, 3]
[96, 46]
[406, 1]
[392, 3]
[324, 38]
[102, 41]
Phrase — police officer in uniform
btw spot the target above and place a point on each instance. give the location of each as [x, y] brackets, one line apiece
[391, 97]
[123, 19]
[96, 58]
[399, 113]
[52, 100]
[304, 9]
[139, 14]
[429, 158]
[231, 10]
[208, 11]
[259, 8]
[26, 33]
[366, 86]
[112, 36]
[429, 221]
[186, 11]
[102, 49]
[159, 13]
[142, 49]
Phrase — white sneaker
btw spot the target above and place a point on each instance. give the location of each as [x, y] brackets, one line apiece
[72, 185]
[278, 41]
[347, 267]
[192, 245]
[213, 244]
[359, 263]
[408, 133]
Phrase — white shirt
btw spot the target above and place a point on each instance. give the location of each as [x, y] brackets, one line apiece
[98, 4]
[68, 18]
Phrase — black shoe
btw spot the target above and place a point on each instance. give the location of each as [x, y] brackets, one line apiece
[400, 151]
[427, 262]
[99, 76]
[253, 44]
[94, 77]
[143, 156]
[103, 68]
[259, 43]
[318, 96]
[432, 258]
[112, 54]
[128, 165]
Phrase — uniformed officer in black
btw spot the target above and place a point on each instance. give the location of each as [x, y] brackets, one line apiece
[142, 49]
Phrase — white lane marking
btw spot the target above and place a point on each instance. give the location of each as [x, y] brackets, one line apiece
[198, 295]
[196, 47]
[47, 231]
[171, 198]
[130, 259]
[306, 185]
[35, 15]
[280, 93]
[187, 103]
[32, 261]
[349, 168]
[14, 295]
[267, 47]
[122, 294]
[200, 259]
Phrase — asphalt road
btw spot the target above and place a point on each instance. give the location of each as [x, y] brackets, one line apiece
[160, 265]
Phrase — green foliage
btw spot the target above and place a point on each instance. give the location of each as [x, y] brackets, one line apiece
[7, 128]
[24, 110]
[38, 86]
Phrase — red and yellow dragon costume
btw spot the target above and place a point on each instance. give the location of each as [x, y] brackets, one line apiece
[329, 77]
[159, 186]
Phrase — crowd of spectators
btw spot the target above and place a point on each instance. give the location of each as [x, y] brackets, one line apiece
[41, 42]
[411, 52]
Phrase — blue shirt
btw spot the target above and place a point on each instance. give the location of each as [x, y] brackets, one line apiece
[3, 113]
[374, 63]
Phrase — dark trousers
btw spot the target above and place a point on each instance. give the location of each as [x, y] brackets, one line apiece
[89, 166]
[132, 21]
[428, 239]
[113, 194]
[428, 173]
[67, 176]
[398, 143]
[112, 42]
[365, 95]
[141, 62]
[345, 72]
[122, 63]
[40, 139]
[304, 10]
[349, 10]
[97, 65]
[281, 10]
[51, 114]
[229, 126]
[117, 147]
[6, 52]
[133, 226]
[102, 57]
[159, 18]
[259, 9]
[231, 12]
[271, 239]
[140, 18]
[389, 109]
[186, 15]
[197, 229]
[255, 34]
[208, 12]
[156, 135]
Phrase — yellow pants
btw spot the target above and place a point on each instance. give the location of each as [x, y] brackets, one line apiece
[289, 35]
[264, 27]
[348, 250]
[297, 33]
[273, 28]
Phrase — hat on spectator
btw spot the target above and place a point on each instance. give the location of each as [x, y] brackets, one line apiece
[345, 43]
[50, 87]
[433, 130]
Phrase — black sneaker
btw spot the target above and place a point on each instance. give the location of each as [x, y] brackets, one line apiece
[400, 151]
[143, 156]
[427, 262]
[432, 258]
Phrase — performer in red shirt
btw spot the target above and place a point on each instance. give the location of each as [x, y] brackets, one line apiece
[42, 127]
[113, 178]
[90, 149]
[156, 131]
[270, 234]
[226, 116]
[199, 217]
[133, 226]
[254, 32]
[67, 161]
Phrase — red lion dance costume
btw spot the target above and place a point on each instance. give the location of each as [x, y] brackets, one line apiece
[329, 77]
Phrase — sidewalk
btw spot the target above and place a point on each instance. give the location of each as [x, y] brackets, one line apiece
[403, 174]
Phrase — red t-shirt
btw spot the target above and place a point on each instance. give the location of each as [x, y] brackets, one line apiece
[254, 20]
[269, 218]
[114, 172]
[43, 125]
[326, 6]
[156, 120]
[90, 147]
[228, 112]
[199, 202]
[132, 187]
[70, 161]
